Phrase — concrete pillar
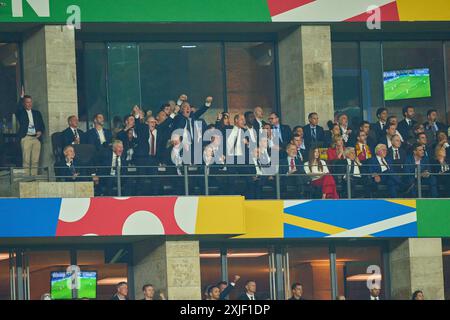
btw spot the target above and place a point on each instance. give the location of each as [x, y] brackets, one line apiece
[49, 70]
[416, 264]
[172, 267]
[305, 69]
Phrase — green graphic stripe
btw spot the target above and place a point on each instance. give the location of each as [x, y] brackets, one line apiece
[148, 11]
[433, 218]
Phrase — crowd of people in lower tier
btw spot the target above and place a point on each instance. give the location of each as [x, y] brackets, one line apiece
[389, 154]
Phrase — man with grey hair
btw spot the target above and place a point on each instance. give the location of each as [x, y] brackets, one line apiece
[382, 171]
[109, 166]
[351, 167]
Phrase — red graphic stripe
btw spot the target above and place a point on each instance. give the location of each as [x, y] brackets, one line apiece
[389, 12]
[280, 6]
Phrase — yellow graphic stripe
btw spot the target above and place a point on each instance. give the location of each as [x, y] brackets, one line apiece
[312, 225]
[404, 202]
[263, 219]
[420, 10]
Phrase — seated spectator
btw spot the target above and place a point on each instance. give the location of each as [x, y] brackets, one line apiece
[391, 130]
[433, 126]
[73, 135]
[298, 130]
[109, 164]
[442, 143]
[99, 136]
[412, 164]
[417, 128]
[382, 173]
[264, 169]
[333, 131]
[362, 148]
[422, 139]
[292, 170]
[318, 171]
[397, 154]
[345, 131]
[353, 166]
[336, 152]
[441, 167]
[67, 169]
[313, 134]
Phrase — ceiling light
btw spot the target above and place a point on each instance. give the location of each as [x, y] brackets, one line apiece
[364, 277]
[446, 253]
[189, 46]
[111, 281]
[234, 255]
[4, 256]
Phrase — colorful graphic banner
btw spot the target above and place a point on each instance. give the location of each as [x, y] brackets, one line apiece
[58, 11]
[227, 216]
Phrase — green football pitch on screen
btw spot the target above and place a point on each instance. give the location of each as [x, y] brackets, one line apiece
[61, 289]
[408, 87]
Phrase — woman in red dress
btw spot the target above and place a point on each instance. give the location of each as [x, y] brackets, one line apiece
[318, 171]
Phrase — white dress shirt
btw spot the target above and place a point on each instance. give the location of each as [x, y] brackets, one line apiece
[31, 129]
[315, 170]
[234, 142]
[155, 133]
[383, 166]
[101, 135]
[113, 163]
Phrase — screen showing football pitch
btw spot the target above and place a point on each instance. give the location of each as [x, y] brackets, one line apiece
[407, 84]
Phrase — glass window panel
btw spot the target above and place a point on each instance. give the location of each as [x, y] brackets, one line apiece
[351, 268]
[406, 55]
[93, 81]
[42, 263]
[250, 264]
[210, 267]
[170, 69]
[108, 274]
[310, 266]
[123, 80]
[371, 79]
[347, 80]
[5, 289]
[250, 68]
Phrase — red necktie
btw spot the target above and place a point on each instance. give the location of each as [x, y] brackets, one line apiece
[364, 151]
[152, 151]
[292, 164]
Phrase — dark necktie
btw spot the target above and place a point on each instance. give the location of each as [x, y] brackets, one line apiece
[396, 155]
[352, 168]
[75, 134]
[313, 134]
[189, 127]
[385, 163]
[72, 168]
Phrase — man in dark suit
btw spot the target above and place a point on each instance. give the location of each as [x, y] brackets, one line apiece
[67, 169]
[281, 132]
[258, 122]
[31, 128]
[378, 129]
[382, 172]
[397, 154]
[109, 164]
[418, 159]
[374, 293]
[250, 291]
[297, 291]
[348, 135]
[291, 170]
[313, 134]
[355, 169]
[99, 136]
[302, 153]
[73, 135]
[122, 291]
[370, 140]
[432, 126]
[406, 126]
[130, 125]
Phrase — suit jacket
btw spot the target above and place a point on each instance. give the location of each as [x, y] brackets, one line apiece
[341, 168]
[257, 126]
[226, 292]
[400, 162]
[69, 137]
[104, 162]
[377, 131]
[351, 137]
[180, 121]
[143, 146]
[62, 170]
[411, 167]
[440, 125]
[93, 138]
[285, 166]
[375, 168]
[22, 119]
[307, 136]
[286, 133]
[115, 297]
[406, 131]
[245, 297]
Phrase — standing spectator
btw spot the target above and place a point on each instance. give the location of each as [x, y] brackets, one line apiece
[122, 291]
[73, 135]
[313, 133]
[371, 141]
[374, 293]
[281, 131]
[406, 126]
[130, 125]
[378, 129]
[99, 136]
[433, 126]
[31, 128]
[225, 288]
[297, 291]
[258, 122]
[318, 171]
[223, 122]
[250, 291]
[149, 292]
[345, 131]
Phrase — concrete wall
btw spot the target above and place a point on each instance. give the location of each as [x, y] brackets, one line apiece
[172, 267]
[416, 264]
[49, 70]
[305, 68]
[54, 190]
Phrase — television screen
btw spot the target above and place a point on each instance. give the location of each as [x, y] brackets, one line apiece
[61, 285]
[407, 84]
